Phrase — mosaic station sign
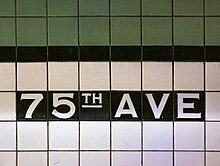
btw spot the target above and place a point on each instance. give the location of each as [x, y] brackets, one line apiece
[114, 105]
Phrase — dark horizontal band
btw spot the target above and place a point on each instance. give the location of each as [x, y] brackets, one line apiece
[110, 105]
[106, 53]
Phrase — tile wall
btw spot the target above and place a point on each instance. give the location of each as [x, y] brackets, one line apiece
[109, 82]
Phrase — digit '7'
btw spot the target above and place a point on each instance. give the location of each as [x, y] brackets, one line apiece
[58, 99]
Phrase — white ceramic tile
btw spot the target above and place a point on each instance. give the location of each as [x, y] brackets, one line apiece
[188, 76]
[32, 135]
[94, 135]
[95, 158]
[156, 158]
[63, 135]
[189, 135]
[63, 159]
[189, 158]
[212, 136]
[7, 106]
[213, 76]
[212, 158]
[212, 106]
[63, 75]
[7, 79]
[94, 76]
[126, 158]
[32, 76]
[8, 158]
[158, 135]
[126, 135]
[32, 158]
[157, 76]
[7, 135]
[126, 75]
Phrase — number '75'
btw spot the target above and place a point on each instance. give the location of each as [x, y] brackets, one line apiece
[58, 100]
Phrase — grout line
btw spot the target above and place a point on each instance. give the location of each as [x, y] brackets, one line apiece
[110, 16]
[47, 94]
[204, 42]
[142, 123]
[79, 108]
[173, 58]
[16, 77]
[110, 80]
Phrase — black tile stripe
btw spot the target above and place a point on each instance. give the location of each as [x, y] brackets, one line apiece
[32, 54]
[7, 54]
[213, 53]
[102, 53]
[125, 53]
[157, 53]
[62, 53]
[189, 53]
[94, 53]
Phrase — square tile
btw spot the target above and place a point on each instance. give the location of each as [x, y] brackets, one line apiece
[130, 77]
[125, 7]
[62, 31]
[32, 158]
[7, 8]
[62, 7]
[212, 136]
[188, 7]
[189, 105]
[32, 76]
[94, 76]
[126, 106]
[7, 79]
[156, 158]
[212, 158]
[32, 136]
[7, 106]
[59, 71]
[212, 30]
[157, 75]
[94, 106]
[31, 8]
[212, 75]
[188, 76]
[95, 158]
[98, 134]
[212, 7]
[189, 158]
[31, 106]
[8, 136]
[63, 135]
[35, 37]
[94, 31]
[212, 106]
[188, 31]
[157, 7]
[126, 158]
[157, 105]
[126, 135]
[95, 7]
[8, 158]
[154, 28]
[125, 31]
[189, 136]
[7, 31]
[158, 135]
[63, 106]
[63, 158]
